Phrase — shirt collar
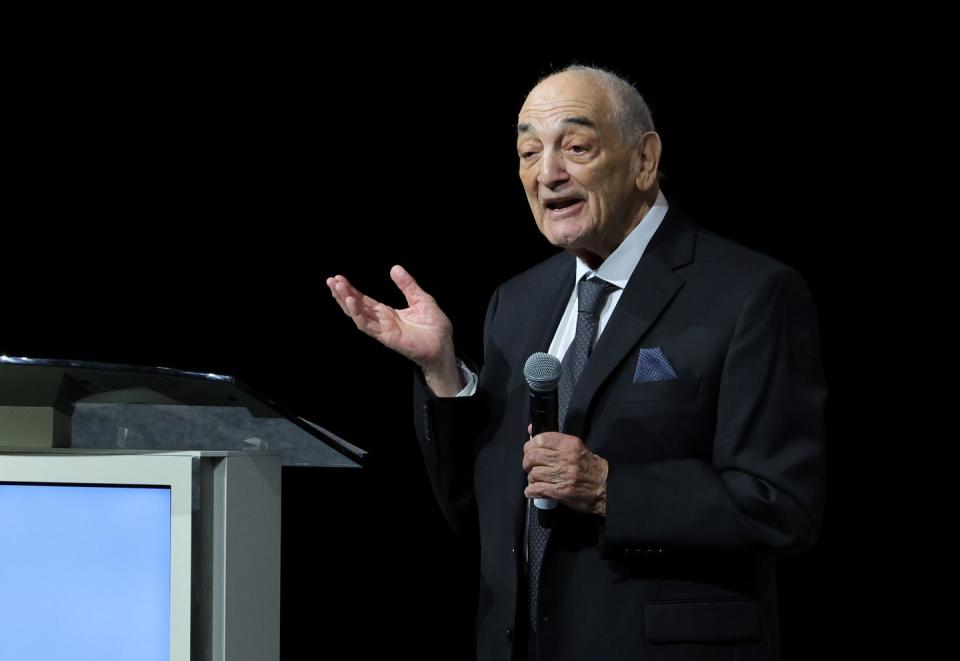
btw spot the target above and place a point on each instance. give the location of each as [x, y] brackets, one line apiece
[617, 268]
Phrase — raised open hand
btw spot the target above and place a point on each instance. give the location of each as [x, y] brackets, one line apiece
[421, 331]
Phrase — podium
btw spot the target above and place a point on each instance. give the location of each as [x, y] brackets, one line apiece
[141, 508]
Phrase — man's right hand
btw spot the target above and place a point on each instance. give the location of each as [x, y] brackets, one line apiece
[421, 331]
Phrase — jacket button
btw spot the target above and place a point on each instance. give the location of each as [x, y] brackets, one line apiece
[513, 549]
[509, 634]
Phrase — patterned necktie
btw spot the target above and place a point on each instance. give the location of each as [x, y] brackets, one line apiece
[591, 295]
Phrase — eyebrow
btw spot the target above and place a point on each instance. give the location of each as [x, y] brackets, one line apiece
[576, 119]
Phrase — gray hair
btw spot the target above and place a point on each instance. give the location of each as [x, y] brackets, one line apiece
[632, 113]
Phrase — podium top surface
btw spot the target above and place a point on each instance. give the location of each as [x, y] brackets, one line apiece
[134, 407]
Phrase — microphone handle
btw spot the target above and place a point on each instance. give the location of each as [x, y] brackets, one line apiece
[544, 415]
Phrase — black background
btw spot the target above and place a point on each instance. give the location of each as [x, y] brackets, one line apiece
[182, 204]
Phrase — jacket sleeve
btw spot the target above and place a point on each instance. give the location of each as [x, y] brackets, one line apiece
[447, 430]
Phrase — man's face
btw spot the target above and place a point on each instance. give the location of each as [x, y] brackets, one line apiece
[578, 175]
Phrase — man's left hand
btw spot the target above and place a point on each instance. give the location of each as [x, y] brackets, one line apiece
[560, 466]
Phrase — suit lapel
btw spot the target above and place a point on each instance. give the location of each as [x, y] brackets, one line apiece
[550, 304]
[651, 287]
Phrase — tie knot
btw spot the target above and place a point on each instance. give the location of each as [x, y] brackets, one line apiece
[592, 293]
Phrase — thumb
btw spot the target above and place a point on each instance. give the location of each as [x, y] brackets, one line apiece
[530, 429]
[405, 282]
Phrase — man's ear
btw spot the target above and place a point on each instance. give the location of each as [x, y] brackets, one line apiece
[648, 160]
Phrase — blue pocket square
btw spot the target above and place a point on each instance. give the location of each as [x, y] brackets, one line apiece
[652, 365]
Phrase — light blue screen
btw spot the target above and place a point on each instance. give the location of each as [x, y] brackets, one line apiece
[84, 573]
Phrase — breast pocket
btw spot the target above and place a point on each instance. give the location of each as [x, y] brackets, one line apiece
[648, 391]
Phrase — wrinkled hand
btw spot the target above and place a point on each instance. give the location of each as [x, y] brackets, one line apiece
[560, 466]
[421, 331]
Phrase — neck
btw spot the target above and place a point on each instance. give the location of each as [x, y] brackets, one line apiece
[595, 255]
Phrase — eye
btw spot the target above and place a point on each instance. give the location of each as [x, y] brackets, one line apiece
[578, 149]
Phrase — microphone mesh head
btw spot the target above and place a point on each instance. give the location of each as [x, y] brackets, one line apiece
[542, 371]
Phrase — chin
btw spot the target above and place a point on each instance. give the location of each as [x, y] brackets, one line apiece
[566, 239]
[564, 242]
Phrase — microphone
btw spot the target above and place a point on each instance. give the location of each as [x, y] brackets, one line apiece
[542, 372]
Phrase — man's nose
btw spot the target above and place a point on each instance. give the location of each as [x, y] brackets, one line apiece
[553, 169]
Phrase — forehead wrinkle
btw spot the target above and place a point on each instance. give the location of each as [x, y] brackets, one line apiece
[557, 121]
[553, 113]
[547, 109]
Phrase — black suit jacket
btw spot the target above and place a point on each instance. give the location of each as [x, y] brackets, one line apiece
[712, 475]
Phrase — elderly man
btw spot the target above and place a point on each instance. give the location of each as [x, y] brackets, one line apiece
[691, 448]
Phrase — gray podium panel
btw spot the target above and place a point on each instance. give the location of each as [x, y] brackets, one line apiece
[223, 551]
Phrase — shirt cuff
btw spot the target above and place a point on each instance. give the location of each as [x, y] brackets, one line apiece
[469, 377]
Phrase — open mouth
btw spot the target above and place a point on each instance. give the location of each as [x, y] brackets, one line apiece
[564, 206]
